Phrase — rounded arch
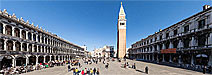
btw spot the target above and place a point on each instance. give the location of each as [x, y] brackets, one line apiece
[18, 46]
[17, 32]
[30, 48]
[29, 36]
[24, 47]
[8, 30]
[23, 34]
[9, 45]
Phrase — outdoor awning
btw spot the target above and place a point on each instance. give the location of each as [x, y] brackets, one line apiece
[202, 55]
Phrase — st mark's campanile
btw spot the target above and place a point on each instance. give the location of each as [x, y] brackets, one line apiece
[121, 39]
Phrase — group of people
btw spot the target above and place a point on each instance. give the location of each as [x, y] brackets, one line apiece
[86, 71]
[29, 67]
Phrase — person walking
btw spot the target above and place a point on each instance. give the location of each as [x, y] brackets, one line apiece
[76, 71]
[97, 71]
[94, 71]
[69, 67]
[134, 66]
[91, 71]
[146, 70]
[82, 72]
[88, 71]
[204, 69]
[85, 71]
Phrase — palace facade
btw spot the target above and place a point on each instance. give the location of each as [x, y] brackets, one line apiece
[187, 42]
[22, 43]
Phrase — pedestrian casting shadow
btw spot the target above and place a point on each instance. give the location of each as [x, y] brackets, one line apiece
[140, 71]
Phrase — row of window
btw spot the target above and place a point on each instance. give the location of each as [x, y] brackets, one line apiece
[201, 25]
[30, 36]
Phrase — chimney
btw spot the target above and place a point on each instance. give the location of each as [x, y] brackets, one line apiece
[206, 7]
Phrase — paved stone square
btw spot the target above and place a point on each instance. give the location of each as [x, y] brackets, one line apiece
[115, 69]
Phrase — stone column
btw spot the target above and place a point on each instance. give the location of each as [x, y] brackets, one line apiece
[44, 49]
[163, 47]
[170, 58]
[14, 49]
[192, 59]
[59, 57]
[55, 57]
[163, 58]
[157, 58]
[4, 29]
[37, 56]
[21, 46]
[13, 61]
[13, 31]
[179, 60]
[27, 35]
[44, 59]
[20, 33]
[27, 60]
[50, 57]
[33, 50]
[5, 44]
[27, 47]
[171, 45]
[210, 59]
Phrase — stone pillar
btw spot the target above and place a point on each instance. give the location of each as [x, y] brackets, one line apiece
[44, 59]
[27, 47]
[27, 60]
[13, 31]
[170, 58]
[14, 49]
[145, 56]
[50, 57]
[163, 47]
[33, 50]
[44, 49]
[163, 58]
[5, 44]
[192, 59]
[13, 61]
[58, 57]
[21, 46]
[171, 45]
[55, 57]
[27, 35]
[4, 29]
[37, 59]
[20, 33]
[36, 37]
[210, 59]
[179, 60]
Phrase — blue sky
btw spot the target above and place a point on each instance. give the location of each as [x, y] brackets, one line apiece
[94, 23]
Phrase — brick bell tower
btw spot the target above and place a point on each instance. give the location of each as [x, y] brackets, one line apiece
[121, 42]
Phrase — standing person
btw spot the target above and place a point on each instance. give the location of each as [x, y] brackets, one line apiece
[91, 71]
[146, 70]
[88, 71]
[82, 72]
[79, 64]
[85, 71]
[69, 67]
[94, 71]
[204, 69]
[134, 66]
[74, 71]
[97, 71]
